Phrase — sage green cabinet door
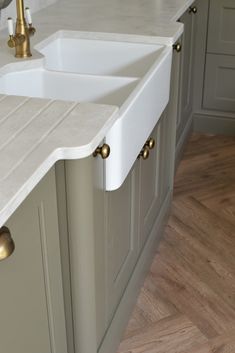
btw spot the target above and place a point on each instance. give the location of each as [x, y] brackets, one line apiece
[219, 88]
[156, 174]
[167, 152]
[104, 245]
[121, 238]
[221, 34]
[186, 72]
[150, 186]
[31, 297]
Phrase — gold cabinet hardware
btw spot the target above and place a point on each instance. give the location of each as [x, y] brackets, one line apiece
[103, 151]
[150, 143]
[144, 153]
[193, 9]
[7, 245]
[177, 47]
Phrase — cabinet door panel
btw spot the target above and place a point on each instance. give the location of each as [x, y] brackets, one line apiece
[150, 193]
[219, 92]
[31, 321]
[121, 239]
[156, 174]
[103, 241]
[167, 151]
[221, 35]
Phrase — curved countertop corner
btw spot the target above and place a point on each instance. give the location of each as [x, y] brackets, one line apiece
[45, 131]
[35, 133]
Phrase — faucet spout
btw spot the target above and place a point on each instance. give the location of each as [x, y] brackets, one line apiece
[20, 9]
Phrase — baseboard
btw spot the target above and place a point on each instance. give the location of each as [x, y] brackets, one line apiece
[182, 141]
[122, 315]
[210, 124]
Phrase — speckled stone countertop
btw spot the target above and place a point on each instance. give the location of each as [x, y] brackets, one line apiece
[35, 133]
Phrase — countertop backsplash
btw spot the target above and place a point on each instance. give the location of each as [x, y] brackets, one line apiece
[10, 11]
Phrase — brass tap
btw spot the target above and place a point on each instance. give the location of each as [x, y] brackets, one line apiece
[23, 30]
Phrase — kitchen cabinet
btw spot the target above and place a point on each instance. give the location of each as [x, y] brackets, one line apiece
[219, 91]
[90, 263]
[104, 245]
[214, 105]
[150, 188]
[185, 103]
[120, 239]
[130, 213]
[154, 176]
[221, 30]
[113, 235]
[110, 231]
[32, 309]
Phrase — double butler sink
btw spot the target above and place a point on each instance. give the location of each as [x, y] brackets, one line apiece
[133, 76]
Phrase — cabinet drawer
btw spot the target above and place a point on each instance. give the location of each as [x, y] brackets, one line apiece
[219, 88]
[221, 35]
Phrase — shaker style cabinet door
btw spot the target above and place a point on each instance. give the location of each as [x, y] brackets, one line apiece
[219, 83]
[104, 244]
[31, 298]
[121, 234]
[221, 35]
[156, 174]
[150, 185]
[219, 88]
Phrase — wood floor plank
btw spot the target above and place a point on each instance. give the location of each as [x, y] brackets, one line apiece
[171, 335]
[190, 294]
[211, 269]
[221, 344]
[150, 308]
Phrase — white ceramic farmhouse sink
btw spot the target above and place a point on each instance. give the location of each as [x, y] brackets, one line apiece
[133, 76]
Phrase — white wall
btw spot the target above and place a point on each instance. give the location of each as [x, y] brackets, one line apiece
[10, 11]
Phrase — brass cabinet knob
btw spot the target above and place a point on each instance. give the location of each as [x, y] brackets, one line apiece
[193, 9]
[103, 151]
[144, 153]
[7, 245]
[150, 143]
[177, 47]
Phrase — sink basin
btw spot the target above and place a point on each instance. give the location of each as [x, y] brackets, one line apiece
[133, 76]
[42, 83]
[97, 57]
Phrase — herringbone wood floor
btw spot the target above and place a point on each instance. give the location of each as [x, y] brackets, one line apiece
[187, 304]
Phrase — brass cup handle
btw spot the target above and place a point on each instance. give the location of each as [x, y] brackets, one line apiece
[144, 153]
[7, 245]
[150, 143]
[193, 9]
[103, 151]
[177, 47]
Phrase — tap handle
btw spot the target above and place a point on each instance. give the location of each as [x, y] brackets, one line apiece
[28, 15]
[32, 30]
[11, 42]
[10, 26]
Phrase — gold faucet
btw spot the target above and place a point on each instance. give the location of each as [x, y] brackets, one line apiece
[21, 39]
